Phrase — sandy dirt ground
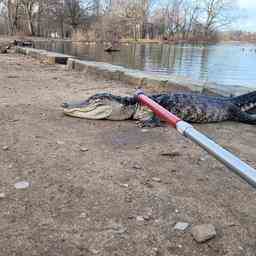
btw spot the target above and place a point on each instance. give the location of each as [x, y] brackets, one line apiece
[110, 188]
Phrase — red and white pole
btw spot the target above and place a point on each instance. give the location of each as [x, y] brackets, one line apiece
[228, 159]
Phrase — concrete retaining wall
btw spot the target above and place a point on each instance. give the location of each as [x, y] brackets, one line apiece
[44, 56]
[142, 79]
[136, 78]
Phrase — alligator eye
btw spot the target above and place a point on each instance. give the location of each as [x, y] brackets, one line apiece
[64, 105]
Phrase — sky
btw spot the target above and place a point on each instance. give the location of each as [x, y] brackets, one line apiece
[248, 9]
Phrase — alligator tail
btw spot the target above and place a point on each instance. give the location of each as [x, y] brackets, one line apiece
[246, 118]
[246, 101]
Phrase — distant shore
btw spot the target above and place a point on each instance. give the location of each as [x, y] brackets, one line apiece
[5, 38]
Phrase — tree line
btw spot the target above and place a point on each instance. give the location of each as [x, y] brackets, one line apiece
[106, 19]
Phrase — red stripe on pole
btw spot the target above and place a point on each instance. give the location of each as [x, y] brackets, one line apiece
[158, 110]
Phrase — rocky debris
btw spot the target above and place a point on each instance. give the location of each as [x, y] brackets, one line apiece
[84, 149]
[154, 251]
[5, 47]
[94, 251]
[156, 179]
[147, 183]
[59, 142]
[83, 215]
[5, 148]
[149, 215]
[12, 76]
[117, 228]
[124, 185]
[3, 50]
[181, 226]
[137, 167]
[22, 185]
[2, 195]
[140, 218]
[203, 233]
[171, 154]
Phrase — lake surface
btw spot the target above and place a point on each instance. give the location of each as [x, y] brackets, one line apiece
[230, 64]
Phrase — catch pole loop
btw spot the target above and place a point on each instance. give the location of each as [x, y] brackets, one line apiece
[157, 109]
[228, 159]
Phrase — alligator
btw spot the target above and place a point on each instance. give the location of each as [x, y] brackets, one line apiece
[191, 107]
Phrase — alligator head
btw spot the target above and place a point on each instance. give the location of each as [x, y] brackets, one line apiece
[102, 106]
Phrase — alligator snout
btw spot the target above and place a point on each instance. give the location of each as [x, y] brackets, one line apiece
[75, 104]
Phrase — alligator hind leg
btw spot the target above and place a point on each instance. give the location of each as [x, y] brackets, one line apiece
[152, 122]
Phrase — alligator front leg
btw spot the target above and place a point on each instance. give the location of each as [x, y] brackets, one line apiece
[152, 122]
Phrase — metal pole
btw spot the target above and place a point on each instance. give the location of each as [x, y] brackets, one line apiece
[228, 159]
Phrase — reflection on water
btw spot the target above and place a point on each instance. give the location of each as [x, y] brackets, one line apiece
[224, 64]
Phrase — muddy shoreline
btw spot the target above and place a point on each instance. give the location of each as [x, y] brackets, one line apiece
[89, 202]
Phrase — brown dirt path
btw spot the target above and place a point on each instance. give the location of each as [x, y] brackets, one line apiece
[88, 203]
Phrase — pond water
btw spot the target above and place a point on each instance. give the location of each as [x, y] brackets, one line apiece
[226, 64]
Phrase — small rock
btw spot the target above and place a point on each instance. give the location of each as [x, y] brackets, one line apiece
[84, 149]
[12, 76]
[202, 233]
[124, 185]
[148, 184]
[117, 228]
[156, 179]
[5, 148]
[171, 154]
[2, 195]
[154, 251]
[59, 142]
[93, 251]
[14, 120]
[181, 226]
[137, 167]
[83, 215]
[128, 198]
[22, 185]
[139, 218]
[148, 216]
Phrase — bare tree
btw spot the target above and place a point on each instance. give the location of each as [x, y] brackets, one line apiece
[29, 10]
[216, 14]
[77, 10]
[11, 14]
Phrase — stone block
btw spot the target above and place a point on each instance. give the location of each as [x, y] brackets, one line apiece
[71, 64]
[202, 233]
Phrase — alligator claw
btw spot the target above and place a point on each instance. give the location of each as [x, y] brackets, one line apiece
[150, 123]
